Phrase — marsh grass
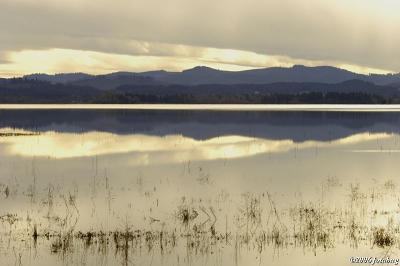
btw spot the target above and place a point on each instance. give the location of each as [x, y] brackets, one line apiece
[383, 238]
[257, 224]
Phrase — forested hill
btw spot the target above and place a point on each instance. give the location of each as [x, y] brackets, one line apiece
[205, 75]
[147, 90]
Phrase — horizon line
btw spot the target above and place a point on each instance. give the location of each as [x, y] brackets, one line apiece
[197, 67]
[212, 107]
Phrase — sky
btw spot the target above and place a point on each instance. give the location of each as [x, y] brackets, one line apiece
[102, 36]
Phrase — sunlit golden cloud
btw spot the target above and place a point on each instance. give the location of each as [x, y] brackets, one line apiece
[182, 57]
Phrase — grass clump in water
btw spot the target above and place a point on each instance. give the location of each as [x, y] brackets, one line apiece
[382, 238]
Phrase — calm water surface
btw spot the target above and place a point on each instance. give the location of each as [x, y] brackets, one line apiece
[198, 187]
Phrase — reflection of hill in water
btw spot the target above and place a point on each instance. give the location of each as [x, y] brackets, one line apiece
[298, 126]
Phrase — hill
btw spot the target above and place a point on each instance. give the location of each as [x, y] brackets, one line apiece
[114, 80]
[35, 91]
[205, 75]
[297, 73]
[350, 86]
[58, 78]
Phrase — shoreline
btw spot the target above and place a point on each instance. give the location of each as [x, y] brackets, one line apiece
[209, 107]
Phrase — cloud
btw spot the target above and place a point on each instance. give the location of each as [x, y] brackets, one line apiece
[355, 33]
[4, 59]
[65, 60]
[177, 58]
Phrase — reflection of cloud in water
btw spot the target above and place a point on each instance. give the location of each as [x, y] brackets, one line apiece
[172, 148]
[376, 151]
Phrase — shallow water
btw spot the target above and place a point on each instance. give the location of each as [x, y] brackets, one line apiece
[198, 187]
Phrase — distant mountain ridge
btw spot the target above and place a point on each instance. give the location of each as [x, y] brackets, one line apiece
[297, 84]
[59, 78]
[114, 80]
[204, 75]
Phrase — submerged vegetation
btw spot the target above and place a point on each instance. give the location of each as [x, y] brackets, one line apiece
[258, 223]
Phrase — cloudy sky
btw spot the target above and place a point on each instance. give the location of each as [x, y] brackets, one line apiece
[137, 35]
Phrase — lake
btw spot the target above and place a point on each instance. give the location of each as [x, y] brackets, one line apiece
[198, 185]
